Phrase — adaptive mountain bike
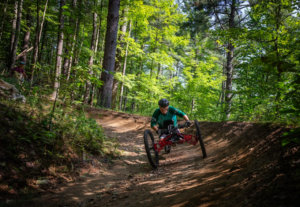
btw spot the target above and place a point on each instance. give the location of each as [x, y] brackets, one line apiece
[173, 137]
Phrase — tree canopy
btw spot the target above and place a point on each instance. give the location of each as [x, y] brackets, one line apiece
[215, 60]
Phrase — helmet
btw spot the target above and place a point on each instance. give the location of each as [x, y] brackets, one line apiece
[21, 63]
[163, 102]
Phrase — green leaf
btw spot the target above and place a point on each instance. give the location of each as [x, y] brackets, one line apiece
[285, 142]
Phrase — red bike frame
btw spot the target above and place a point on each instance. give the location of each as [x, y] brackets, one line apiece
[192, 139]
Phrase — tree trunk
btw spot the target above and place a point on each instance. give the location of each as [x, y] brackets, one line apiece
[91, 60]
[66, 58]
[3, 19]
[72, 49]
[70, 42]
[15, 45]
[43, 43]
[229, 64]
[101, 61]
[109, 52]
[158, 71]
[193, 105]
[102, 46]
[125, 101]
[51, 54]
[36, 43]
[96, 50]
[124, 67]
[60, 41]
[77, 47]
[38, 33]
[14, 25]
[26, 36]
[45, 9]
[119, 59]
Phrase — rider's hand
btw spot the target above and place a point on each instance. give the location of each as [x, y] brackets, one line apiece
[188, 123]
[158, 131]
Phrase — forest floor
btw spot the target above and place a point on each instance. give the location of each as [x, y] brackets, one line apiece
[246, 166]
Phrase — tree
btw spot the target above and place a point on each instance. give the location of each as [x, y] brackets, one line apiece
[16, 39]
[26, 35]
[109, 52]
[91, 58]
[119, 57]
[3, 19]
[60, 41]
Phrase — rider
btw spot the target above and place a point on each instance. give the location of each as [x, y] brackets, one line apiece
[19, 72]
[165, 114]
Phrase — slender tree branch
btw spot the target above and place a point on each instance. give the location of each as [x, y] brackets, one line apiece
[23, 53]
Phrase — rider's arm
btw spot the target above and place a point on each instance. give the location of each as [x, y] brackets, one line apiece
[25, 74]
[178, 113]
[154, 120]
[185, 117]
[155, 128]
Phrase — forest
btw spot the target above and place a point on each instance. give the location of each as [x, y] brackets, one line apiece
[219, 61]
[216, 60]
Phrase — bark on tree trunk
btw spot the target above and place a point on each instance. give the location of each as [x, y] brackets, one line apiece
[102, 46]
[94, 88]
[125, 100]
[76, 47]
[91, 60]
[43, 43]
[36, 44]
[18, 26]
[101, 63]
[43, 19]
[109, 52]
[66, 58]
[72, 50]
[60, 42]
[26, 36]
[158, 71]
[229, 64]
[51, 54]
[193, 105]
[3, 19]
[119, 59]
[14, 25]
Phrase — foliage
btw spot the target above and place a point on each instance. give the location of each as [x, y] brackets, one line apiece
[176, 49]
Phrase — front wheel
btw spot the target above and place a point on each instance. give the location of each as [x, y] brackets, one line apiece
[149, 147]
[200, 138]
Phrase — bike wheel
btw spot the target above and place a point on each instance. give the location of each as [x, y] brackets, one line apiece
[151, 153]
[167, 149]
[200, 138]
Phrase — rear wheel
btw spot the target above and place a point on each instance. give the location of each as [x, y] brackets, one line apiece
[167, 149]
[200, 138]
[149, 147]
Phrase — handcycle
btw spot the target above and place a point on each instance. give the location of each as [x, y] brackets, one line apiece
[173, 137]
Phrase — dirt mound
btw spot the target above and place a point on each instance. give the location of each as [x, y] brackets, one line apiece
[246, 166]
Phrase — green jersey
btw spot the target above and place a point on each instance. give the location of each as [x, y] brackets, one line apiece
[160, 118]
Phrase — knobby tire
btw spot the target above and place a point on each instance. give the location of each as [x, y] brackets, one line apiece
[154, 161]
[200, 138]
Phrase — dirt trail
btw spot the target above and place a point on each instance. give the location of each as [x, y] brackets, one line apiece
[229, 176]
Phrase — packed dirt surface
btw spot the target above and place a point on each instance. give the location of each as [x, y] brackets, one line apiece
[246, 166]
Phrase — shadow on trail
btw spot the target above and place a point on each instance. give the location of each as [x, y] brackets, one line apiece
[239, 157]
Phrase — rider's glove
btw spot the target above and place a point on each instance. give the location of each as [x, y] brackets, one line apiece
[188, 123]
[158, 131]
